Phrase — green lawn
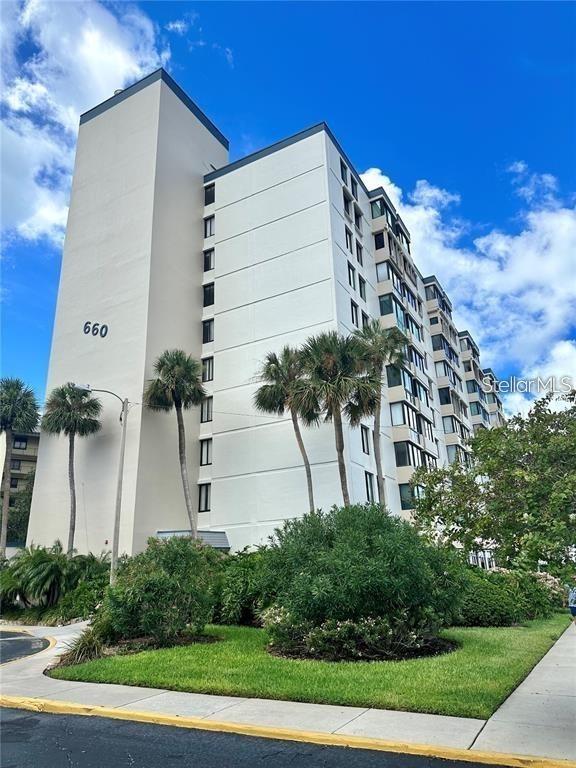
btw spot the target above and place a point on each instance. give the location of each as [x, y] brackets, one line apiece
[471, 681]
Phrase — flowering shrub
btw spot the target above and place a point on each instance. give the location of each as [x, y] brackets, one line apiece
[331, 572]
[367, 639]
[503, 597]
[554, 587]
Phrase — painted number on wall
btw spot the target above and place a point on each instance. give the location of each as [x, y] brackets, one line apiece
[96, 329]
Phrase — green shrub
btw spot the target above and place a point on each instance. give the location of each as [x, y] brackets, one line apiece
[554, 587]
[84, 648]
[46, 579]
[81, 602]
[534, 599]
[366, 639]
[488, 601]
[161, 592]
[241, 597]
[44, 574]
[355, 563]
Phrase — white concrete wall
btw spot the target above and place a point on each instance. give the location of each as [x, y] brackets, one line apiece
[133, 260]
[132, 238]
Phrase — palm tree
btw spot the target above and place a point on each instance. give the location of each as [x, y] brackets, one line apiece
[73, 411]
[283, 390]
[379, 347]
[18, 413]
[178, 385]
[340, 383]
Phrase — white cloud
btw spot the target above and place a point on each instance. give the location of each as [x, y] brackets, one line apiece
[514, 291]
[427, 195]
[178, 26]
[58, 61]
[534, 188]
[182, 25]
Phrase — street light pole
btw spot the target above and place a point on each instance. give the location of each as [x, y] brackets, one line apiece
[118, 505]
[118, 508]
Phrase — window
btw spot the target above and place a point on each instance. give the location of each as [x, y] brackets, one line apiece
[359, 255]
[207, 331]
[365, 320]
[204, 493]
[15, 464]
[453, 454]
[433, 321]
[347, 203]
[365, 433]
[354, 312]
[209, 226]
[207, 369]
[206, 410]
[13, 482]
[349, 240]
[205, 452]
[379, 241]
[386, 305]
[343, 172]
[397, 414]
[20, 443]
[369, 478]
[354, 187]
[406, 496]
[407, 455]
[362, 287]
[377, 208]
[208, 295]
[209, 260]
[444, 394]
[358, 219]
[413, 327]
[448, 424]
[209, 194]
[393, 376]
[351, 276]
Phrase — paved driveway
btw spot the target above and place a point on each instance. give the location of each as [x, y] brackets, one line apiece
[16, 645]
[34, 740]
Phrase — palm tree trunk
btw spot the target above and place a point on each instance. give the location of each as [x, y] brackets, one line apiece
[184, 472]
[378, 449]
[6, 493]
[339, 435]
[300, 442]
[72, 480]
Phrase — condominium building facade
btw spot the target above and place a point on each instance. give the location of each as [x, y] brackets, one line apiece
[169, 245]
[22, 464]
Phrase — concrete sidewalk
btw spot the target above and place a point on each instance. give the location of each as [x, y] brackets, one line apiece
[539, 717]
[519, 726]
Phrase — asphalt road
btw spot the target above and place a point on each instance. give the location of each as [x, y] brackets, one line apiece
[15, 645]
[33, 740]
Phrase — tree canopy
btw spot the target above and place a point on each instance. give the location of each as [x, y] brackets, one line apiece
[518, 492]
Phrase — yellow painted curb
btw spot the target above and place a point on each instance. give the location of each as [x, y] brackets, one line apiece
[51, 643]
[284, 734]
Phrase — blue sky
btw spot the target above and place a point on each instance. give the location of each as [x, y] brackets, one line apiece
[465, 111]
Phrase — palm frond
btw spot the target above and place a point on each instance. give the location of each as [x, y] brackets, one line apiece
[18, 406]
[71, 411]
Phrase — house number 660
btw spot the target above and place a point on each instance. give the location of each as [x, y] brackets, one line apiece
[96, 329]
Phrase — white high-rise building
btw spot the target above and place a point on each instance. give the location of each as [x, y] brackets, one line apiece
[170, 246]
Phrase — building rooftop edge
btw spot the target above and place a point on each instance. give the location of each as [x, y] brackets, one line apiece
[153, 77]
[282, 144]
